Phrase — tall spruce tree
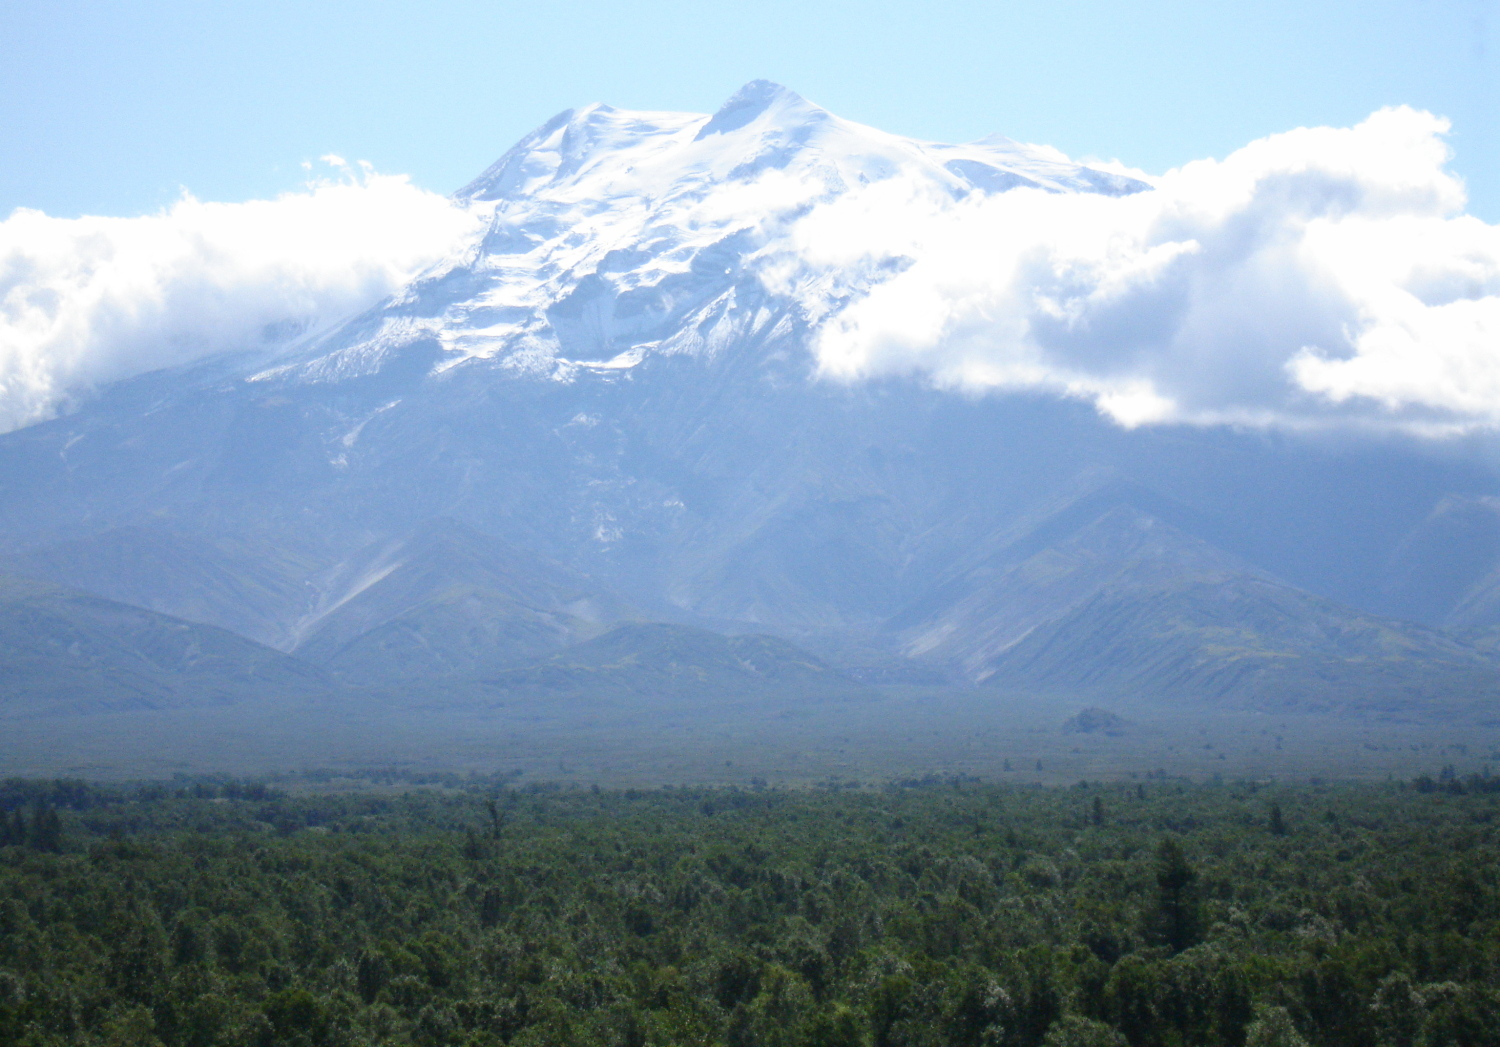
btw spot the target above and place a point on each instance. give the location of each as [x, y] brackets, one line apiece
[1176, 920]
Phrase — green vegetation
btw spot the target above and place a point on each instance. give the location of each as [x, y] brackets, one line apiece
[941, 912]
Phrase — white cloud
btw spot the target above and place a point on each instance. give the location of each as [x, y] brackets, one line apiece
[89, 300]
[1323, 276]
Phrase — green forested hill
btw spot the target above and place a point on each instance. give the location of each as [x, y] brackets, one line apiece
[934, 914]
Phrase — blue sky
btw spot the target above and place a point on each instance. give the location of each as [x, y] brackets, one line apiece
[114, 108]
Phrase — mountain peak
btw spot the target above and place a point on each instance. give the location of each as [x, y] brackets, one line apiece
[600, 211]
[754, 100]
[568, 143]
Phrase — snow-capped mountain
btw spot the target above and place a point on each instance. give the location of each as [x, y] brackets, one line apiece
[613, 235]
[606, 406]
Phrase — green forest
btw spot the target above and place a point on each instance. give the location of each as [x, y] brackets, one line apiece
[1152, 913]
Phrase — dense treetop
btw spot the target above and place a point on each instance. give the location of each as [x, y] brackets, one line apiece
[939, 913]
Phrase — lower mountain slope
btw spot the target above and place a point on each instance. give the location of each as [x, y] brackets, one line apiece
[251, 588]
[655, 661]
[64, 651]
[1443, 572]
[445, 601]
[455, 631]
[1247, 641]
[1021, 580]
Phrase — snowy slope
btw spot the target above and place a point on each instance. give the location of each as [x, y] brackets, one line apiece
[613, 235]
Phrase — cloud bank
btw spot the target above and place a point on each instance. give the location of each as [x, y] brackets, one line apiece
[1320, 277]
[89, 300]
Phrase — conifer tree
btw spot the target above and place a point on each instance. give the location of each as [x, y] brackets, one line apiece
[1176, 917]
